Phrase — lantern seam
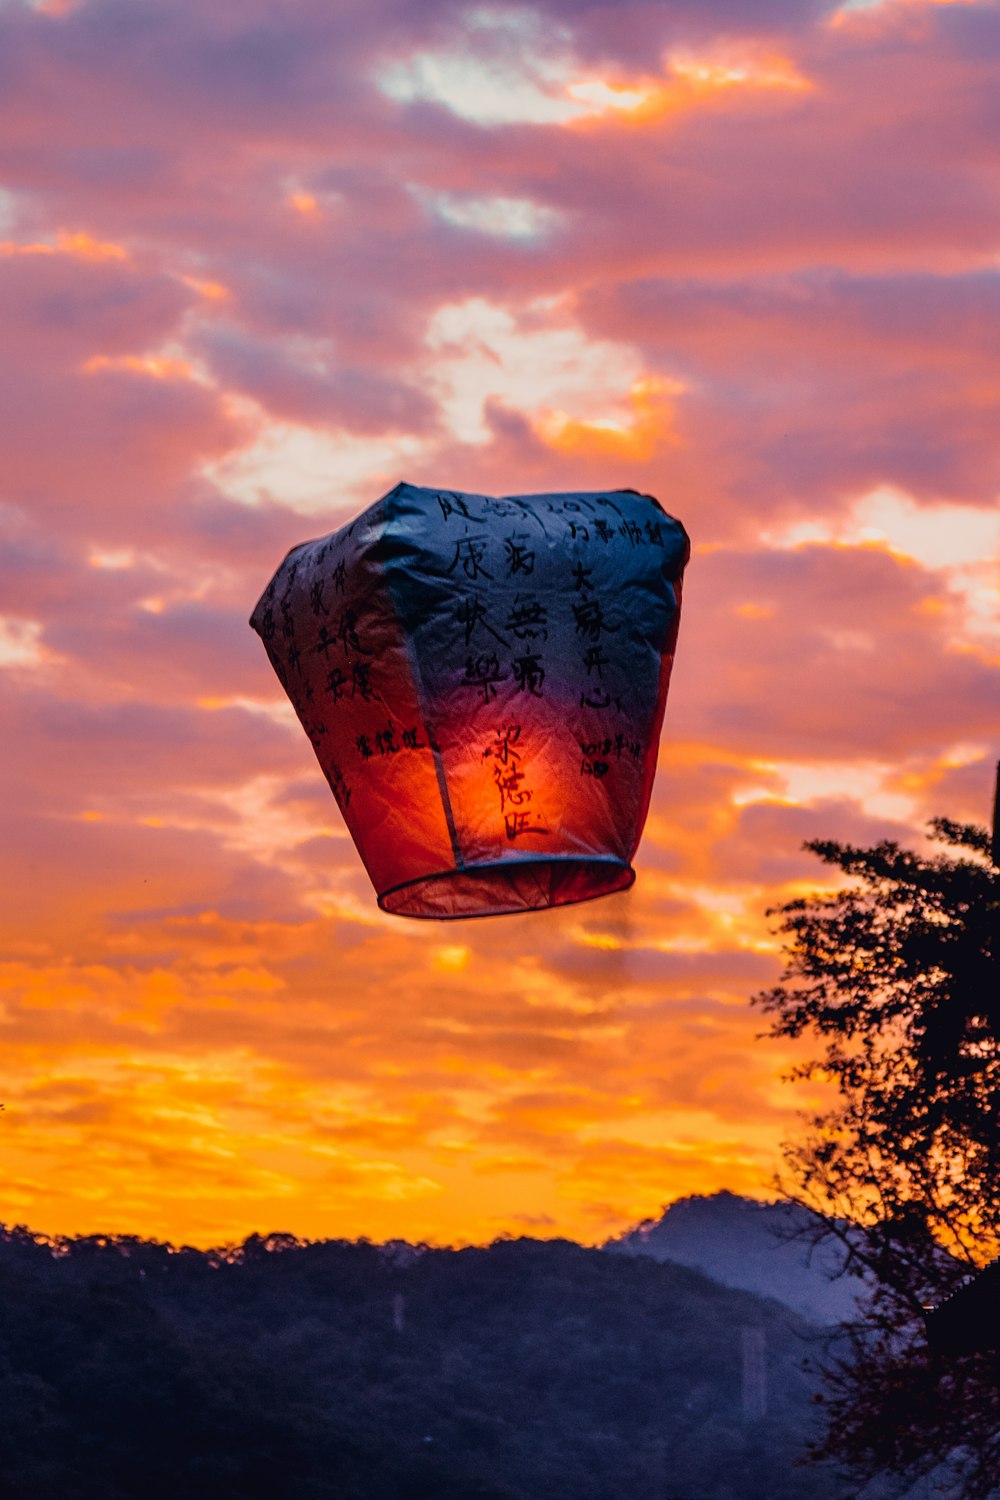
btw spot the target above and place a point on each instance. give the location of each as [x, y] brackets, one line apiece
[418, 680]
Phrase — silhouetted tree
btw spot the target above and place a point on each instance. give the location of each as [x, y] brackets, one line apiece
[896, 975]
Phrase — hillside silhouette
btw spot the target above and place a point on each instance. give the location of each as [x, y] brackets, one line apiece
[348, 1371]
[759, 1247]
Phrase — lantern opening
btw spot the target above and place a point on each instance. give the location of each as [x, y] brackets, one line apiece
[504, 889]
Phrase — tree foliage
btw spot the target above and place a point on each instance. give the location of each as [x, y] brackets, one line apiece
[895, 975]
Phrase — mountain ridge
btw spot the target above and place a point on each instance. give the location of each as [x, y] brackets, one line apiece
[751, 1245]
[334, 1371]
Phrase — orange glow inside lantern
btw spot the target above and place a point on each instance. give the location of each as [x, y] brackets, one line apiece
[483, 681]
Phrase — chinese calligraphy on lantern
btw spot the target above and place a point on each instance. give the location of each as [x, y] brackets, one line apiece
[512, 780]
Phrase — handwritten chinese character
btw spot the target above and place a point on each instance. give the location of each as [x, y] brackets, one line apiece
[361, 684]
[516, 824]
[385, 741]
[520, 559]
[338, 785]
[508, 780]
[595, 768]
[505, 742]
[347, 631]
[483, 672]
[471, 613]
[455, 506]
[528, 621]
[590, 619]
[470, 553]
[326, 642]
[529, 674]
[599, 699]
[595, 660]
[632, 747]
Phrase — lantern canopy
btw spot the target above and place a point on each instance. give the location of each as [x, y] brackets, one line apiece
[483, 681]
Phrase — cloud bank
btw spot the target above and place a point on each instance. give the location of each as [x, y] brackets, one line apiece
[256, 264]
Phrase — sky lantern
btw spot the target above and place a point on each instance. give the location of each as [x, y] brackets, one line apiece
[483, 681]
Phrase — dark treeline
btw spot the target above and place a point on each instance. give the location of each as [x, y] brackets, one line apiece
[341, 1371]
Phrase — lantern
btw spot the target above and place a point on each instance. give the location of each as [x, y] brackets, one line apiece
[483, 681]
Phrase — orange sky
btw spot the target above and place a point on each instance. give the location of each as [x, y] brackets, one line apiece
[258, 263]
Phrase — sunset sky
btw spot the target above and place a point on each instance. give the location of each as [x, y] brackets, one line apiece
[258, 262]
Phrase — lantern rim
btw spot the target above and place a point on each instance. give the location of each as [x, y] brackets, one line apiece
[532, 883]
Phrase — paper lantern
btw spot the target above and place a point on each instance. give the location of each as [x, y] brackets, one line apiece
[483, 681]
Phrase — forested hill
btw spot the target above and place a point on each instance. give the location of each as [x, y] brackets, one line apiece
[760, 1247]
[341, 1371]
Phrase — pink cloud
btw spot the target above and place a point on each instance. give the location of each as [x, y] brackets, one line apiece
[219, 231]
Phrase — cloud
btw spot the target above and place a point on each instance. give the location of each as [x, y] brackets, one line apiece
[302, 386]
[258, 265]
[831, 651]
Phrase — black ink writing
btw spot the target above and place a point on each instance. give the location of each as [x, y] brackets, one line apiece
[529, 674]
[511, 780]
[528, 620]
[520, 558]
[472, 613]
[470, 552]
[590, 619]
[483, 672]
[455, 506]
